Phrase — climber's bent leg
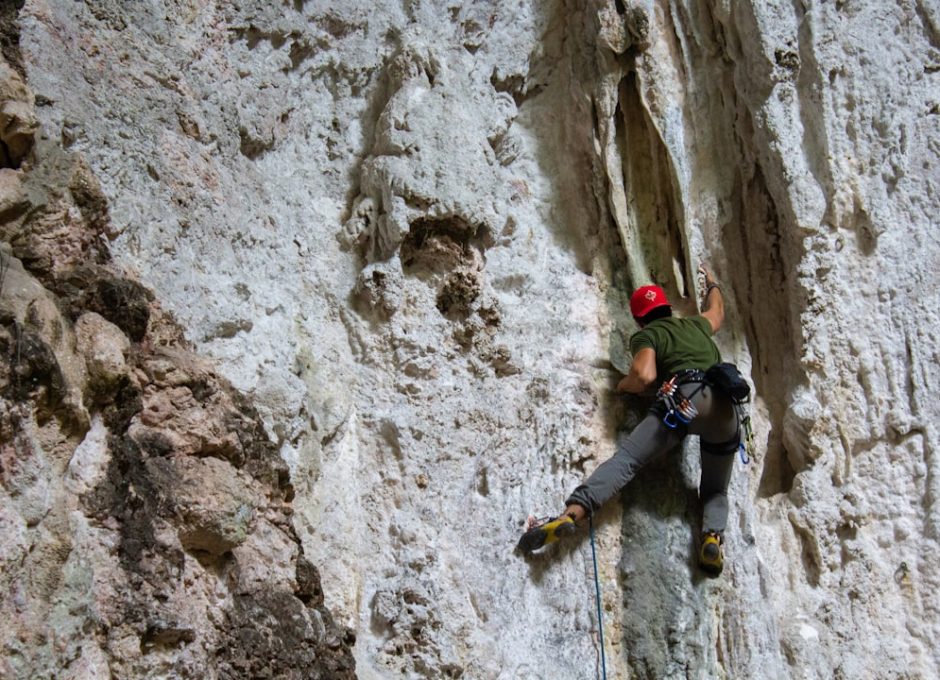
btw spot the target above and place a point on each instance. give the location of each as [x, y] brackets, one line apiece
[717, 464]
[633, 452]
[717, 427]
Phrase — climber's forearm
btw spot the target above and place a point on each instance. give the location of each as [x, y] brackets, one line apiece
[642, 373]
[713, 304]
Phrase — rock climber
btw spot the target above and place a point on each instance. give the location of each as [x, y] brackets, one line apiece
[674, 353]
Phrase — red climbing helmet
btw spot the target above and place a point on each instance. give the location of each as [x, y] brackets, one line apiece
[645, 299]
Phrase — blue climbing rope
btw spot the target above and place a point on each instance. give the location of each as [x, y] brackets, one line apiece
[597, 590]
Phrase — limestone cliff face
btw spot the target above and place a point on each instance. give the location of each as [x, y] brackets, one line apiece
[303, 293]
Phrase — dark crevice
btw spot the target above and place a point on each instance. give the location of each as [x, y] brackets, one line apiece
[756, 242]
[777, 474]
[910, 388]
[10, 34]
[123, 302]
[300, 51]
[337, 26]
[655, 229]
[33, 371]
[442, 244]
[459, 292]
[253, 36]
[809, 555]
[516, 86]
[161, 636]
[6, 158]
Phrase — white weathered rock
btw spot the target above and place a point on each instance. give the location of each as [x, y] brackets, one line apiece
[409, 232]
[88, 466]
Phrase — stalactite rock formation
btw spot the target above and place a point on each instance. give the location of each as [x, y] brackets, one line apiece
[305, 307]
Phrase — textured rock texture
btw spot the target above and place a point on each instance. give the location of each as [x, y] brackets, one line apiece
[309, 290]
[144, 512]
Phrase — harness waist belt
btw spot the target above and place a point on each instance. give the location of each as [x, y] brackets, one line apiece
[688, 375]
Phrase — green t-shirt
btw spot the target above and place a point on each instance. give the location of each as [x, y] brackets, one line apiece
[679, 344]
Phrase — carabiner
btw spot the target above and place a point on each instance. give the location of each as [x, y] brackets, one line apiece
[671, 424]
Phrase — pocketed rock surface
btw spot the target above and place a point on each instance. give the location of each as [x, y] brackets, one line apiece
[306, 306]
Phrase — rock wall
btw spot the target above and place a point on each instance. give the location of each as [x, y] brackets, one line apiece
[145, 513]
[338, 291]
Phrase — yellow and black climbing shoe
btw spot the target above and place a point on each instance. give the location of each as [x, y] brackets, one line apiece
[548, 531]
[710, 558]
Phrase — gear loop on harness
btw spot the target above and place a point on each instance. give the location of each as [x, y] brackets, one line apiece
[678, 409]
[681, 410]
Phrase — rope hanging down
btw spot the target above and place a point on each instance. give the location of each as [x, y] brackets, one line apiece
[597, 590]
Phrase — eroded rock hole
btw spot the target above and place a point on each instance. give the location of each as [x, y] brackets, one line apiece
[441, 245]
[515, 85]
[161, 636]
[460, 291]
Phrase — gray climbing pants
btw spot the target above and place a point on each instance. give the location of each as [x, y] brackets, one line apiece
[717, 427]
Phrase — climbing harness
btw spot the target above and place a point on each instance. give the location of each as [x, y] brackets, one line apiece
[724, 377]
[597, 591]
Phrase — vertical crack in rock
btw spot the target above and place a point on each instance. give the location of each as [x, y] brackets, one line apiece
[758, 246]
[653, 230]
[660, 507]
[759, 250]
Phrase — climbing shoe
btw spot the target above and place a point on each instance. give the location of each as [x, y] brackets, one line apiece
[710, 558]
[545, 532]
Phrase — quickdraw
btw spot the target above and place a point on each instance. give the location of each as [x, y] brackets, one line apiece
[747, 444]
[679, 408]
